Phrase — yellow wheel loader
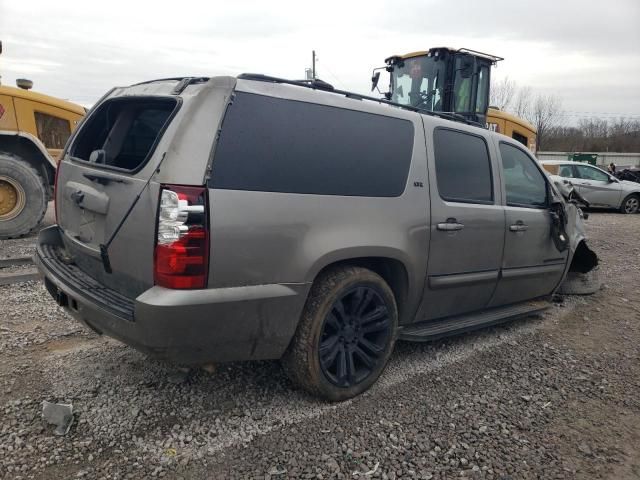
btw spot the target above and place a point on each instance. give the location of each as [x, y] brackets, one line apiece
[455, 82]
[33, 131]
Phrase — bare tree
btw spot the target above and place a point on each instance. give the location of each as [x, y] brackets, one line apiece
[595, 135]
[544, 114]
[502, 93]
[522, 103]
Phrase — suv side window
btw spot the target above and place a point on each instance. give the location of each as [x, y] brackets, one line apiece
[463, 167]
[525, 184]
[271, 144]
[591, 173]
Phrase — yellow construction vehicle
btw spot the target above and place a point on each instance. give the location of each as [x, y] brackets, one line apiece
[451, 81]
[33, 131]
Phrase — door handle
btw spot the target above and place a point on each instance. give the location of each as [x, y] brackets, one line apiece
[451, 225]
[519, 226]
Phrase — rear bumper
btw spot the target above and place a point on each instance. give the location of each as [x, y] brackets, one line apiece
[183, 326]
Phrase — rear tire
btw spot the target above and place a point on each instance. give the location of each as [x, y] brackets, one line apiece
[631, 204]
[23, 197]
[345, 336]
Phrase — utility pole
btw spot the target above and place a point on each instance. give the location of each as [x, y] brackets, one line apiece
[313, 64]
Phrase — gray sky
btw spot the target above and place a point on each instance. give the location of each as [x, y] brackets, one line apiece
[587, 52]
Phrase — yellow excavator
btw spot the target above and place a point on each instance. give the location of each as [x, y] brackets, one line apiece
[451, 81]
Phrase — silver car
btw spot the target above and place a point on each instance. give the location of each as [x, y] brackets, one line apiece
[221, 219]
[601, 189]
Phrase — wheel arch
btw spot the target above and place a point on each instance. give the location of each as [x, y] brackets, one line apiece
[393, 271]
[584, 259]
[32, 151]
[626, 195]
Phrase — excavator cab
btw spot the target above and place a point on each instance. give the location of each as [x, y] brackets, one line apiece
[441, 80]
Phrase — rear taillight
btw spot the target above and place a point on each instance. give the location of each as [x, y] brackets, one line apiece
[181, 258]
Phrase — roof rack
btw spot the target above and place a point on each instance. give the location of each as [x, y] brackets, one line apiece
[318, 84]
[183, 82]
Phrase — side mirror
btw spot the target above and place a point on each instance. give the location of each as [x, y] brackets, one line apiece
[613, 179]
[374, 81]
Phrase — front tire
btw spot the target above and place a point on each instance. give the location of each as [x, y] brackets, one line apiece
[631, 204]
[23, 197]
[345, 336]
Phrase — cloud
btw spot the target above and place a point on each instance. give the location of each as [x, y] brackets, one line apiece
[584, 51]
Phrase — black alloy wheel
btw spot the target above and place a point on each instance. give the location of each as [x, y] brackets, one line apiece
[354, 336]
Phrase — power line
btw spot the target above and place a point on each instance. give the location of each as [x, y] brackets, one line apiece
[595, 114]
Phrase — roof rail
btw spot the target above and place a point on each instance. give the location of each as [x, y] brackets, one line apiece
[174, 79]
[318, 84]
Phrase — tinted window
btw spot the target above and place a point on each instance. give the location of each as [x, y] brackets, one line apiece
[483, 86]
[52, 131]
[123, 132]
[463, 168]
[566, 171]
[275, 145]
[591, 173]
[524, 182]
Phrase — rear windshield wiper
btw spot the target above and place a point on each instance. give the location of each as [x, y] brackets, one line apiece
[104, 247]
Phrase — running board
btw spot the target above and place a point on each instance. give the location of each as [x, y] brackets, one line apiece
[434, 329]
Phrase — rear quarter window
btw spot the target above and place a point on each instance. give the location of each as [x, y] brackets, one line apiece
[122, 133]
[276, 145]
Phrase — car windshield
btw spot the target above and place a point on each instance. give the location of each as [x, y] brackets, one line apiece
[419, 82]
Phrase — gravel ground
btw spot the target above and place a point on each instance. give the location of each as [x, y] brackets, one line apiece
[25, 246]
[554, 396]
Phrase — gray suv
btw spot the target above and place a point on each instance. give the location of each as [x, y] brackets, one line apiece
[207, 220]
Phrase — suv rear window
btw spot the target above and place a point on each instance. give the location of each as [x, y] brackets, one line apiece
[275, 145]
[123, 132]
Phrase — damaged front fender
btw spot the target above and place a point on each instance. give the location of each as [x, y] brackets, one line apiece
[582, 276]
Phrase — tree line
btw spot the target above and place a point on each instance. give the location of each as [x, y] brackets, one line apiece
[544, 111]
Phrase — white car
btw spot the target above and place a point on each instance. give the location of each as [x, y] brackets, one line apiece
[601, 189]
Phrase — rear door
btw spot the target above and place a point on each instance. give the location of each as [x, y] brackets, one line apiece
[106, 167]
[596, 186]
[532, 266]
[467, 223]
